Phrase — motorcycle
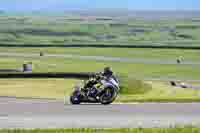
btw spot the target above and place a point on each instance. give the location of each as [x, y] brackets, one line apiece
[96, 90]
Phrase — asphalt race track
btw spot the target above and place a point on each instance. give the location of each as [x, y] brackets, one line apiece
[100, 58]
[38, 113]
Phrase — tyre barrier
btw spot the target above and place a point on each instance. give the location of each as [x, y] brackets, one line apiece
[27, 68]
[9, 70]
[47, 75]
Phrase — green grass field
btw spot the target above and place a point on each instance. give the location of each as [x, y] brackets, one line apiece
[58, 88]
[128, 69]
[122, 130]
[75, 30]
[64, 30]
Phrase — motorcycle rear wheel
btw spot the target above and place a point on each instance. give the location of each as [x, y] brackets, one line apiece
[74, 99]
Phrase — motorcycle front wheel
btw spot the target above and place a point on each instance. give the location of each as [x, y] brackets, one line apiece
[108, 96]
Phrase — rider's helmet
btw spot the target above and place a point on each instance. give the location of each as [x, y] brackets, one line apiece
[107, 71]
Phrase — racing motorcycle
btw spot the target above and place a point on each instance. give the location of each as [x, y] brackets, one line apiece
[97, 89]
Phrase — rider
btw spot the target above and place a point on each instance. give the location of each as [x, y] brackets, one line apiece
[108, 73]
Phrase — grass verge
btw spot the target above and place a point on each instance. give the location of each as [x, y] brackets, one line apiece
[58, 88]
[162, 92]
[130, 86]
[37, 88]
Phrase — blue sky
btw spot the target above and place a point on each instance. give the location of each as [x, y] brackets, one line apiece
[62, 5]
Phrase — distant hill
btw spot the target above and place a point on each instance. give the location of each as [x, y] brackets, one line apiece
[164, 14]
[2, 12]
[119, 13]
[138, 14]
